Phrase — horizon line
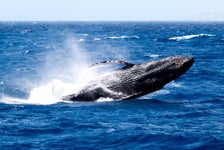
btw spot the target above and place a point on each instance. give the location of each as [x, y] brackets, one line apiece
[111, 20]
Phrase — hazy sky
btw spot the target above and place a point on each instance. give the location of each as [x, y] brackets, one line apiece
[111, 10]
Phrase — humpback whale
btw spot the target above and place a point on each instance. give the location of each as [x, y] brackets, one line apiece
[133, 80]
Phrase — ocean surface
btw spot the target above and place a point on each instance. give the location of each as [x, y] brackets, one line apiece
[42, 61]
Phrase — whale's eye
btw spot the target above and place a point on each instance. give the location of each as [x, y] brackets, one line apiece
[178, 64]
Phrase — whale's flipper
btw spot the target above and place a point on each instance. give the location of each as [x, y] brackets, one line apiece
[127, 64]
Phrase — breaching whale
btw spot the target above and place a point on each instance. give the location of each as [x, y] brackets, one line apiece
[133, 80]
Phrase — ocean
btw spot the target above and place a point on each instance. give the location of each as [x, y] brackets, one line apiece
[42, 61]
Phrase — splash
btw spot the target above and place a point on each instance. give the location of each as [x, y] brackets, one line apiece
[64, 72]
[43, 95]
[101, 100]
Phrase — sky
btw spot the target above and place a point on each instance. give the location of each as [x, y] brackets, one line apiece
[111, 10]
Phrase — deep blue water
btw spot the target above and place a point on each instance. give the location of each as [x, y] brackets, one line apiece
[37, 58]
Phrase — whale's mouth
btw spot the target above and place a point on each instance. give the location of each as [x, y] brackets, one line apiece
[172, 68]
[181, 66]
[192, 60]
[187, 60]
[187, 63]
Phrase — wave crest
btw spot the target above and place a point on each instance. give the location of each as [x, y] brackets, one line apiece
[124, 37]
[187, 37]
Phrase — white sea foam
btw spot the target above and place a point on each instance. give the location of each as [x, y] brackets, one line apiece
[187, 37]
[81, 40]
[123, 37]
[100, 100]
[154, 56]
[26, 52]
[155, 94]
[97, 39]
[174, 84]
[25, 31]
[43, 95]
[85, 34]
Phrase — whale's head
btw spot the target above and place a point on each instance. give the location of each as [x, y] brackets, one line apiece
[160, 72]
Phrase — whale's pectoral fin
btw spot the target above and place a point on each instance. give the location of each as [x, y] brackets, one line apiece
[127, 64]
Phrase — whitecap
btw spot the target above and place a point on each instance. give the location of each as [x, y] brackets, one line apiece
[135, 36]
[27, 51]
[110, 130]
[114, 37]
[97, 39]
[24, 31]
[187, 37]
[85, 34]
[81, 40]
[154, 56]
[124, 37]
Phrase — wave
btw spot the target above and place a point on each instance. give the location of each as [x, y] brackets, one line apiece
[154, 56]
[187, 37]
[81, 40]
[124, 37]
[155, 94]
[117, 37]
[25, 31]
[97, 39]
[175, 85]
